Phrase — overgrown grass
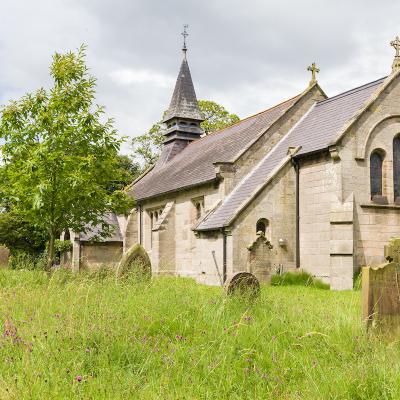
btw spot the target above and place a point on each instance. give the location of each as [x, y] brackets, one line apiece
[75, 336]
[301, 278]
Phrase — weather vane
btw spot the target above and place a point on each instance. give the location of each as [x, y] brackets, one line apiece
[185, 35]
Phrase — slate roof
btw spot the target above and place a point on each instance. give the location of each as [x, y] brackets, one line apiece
[116, 236]
[314, 132]
[184, 102]
[194, 165]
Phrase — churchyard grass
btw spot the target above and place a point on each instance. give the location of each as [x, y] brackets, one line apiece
[90, 337]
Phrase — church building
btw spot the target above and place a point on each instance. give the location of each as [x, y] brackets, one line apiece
[312, 183]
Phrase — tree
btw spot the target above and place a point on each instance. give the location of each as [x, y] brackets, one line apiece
[17, 234]
[130, 170]
[147, 147]
[60, 154]
[215, 116]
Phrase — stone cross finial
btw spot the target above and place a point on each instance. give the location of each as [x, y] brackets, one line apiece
[314, 70]
[396, 45]
[185, 35]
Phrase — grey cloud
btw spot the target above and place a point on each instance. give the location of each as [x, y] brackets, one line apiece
[246, 55]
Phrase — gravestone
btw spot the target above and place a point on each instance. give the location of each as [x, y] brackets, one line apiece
[259, 258]
[243, 284]
[381, 291]
[135, 262]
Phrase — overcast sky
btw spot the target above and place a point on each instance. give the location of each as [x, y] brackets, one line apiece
[246, 55]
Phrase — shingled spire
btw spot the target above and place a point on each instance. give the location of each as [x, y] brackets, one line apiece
[183, 116]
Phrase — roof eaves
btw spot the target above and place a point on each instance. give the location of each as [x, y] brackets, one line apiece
[259, 188]
[274, 172]
[141, 176]
[360, 112]
[265, 130]
[180, 189]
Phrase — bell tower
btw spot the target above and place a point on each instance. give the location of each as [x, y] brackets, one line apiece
[183, 116]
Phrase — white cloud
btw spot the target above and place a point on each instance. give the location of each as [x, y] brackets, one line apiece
[129, 76]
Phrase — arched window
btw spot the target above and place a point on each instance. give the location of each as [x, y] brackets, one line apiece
[396, 168]
[67, 236]
[198, 210]
[262, 226]
[376, 161]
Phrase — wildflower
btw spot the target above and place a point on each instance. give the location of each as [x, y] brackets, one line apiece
[179, 337]
[79, 378]
[247, 318]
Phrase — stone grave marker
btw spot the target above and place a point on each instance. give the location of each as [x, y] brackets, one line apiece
[243, 284]
[381, 291]
[259, 258]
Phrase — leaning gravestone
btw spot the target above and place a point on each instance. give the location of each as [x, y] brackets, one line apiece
[381, 291]
[135, 262]
[243, 284]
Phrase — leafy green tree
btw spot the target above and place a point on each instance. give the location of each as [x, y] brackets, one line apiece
[17, 234]
[60, 154]
[130, 170]
[216, 117]
[147, 147]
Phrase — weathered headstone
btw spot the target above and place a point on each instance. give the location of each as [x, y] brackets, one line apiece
[381, 291]
[135, 262]
[259, 258]
[243, 284]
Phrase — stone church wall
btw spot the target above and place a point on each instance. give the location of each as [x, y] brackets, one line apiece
[317, 186]
[374, 224]
[277, 204]
[131, 236]
[97, 254]
[174, 248]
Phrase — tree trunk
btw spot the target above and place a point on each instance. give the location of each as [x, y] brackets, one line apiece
[51, 251]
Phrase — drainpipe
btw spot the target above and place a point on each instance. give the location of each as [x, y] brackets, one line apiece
[224, 256]
[141, 225]
[296, 165]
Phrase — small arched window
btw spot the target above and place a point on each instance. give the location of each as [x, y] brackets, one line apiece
[198, 210]
[67, 236]
[376, 162]
[262, 226]
[396, 168]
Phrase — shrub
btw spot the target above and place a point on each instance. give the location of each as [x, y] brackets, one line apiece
[298, 278]
[20, 259]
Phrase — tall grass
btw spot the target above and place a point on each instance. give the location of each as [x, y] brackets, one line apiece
[301, 278]
[92, 337]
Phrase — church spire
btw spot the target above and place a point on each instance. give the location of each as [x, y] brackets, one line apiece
[183, 116]
[184, 101]
[396, 62]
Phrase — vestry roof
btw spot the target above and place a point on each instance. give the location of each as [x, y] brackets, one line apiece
[184, 102]
[194, 165]
[95, 231]
[315, 131]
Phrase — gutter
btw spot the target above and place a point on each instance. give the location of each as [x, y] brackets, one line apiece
[141, 224]
[224, 253]
[296, 165]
